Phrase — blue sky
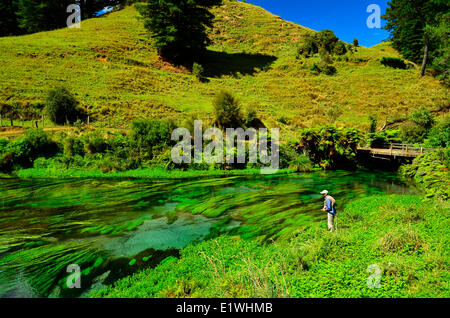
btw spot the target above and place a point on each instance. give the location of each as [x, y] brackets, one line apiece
[347, 18]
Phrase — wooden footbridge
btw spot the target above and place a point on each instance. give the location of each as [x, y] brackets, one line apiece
[395, 150]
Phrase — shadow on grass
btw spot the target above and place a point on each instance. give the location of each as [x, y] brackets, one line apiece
[217, 64]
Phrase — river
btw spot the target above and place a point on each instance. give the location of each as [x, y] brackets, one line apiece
[112, 228]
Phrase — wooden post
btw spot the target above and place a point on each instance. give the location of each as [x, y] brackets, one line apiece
[88, 121]
[392, 147]
[421, 150]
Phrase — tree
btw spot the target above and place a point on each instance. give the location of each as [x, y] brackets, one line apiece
[9, 25]
[340, 48]
[326, 40]
[62, 107]
[355, 42]
[409, 22]
[441, 35]
[227, 111]
[42, 15]
[178, 27]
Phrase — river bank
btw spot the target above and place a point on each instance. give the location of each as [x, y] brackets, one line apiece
[151, 173]
[385, 246]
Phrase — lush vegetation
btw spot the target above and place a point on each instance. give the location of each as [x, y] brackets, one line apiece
[331, 147]
[431, 171]
[416, 31]
[147, 146]
[178, 28]
[252, 54]
[406, 238]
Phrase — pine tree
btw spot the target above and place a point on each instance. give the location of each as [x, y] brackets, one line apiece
[8, 19]
[178, 27]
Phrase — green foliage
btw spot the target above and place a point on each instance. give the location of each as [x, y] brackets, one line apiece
[198, 71]
[331, 147]
[407, 240]
[409, 22]
[324, 41]
[62, 107]
[8, 19]
[149, 136]
[393, 62]
[23, 151]
[178, 28]
[417, 128]
[227, 111]
[309, 47]
[379, 139]
[439, 135]
[441, 35]
[340, 48]
[95, 142]
[355, 42]
[431, 172]
[422, 117]
[373, 123]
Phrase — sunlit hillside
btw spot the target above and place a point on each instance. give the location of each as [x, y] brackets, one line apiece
[111, 68]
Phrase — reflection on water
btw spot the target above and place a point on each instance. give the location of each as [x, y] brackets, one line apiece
[122, 226]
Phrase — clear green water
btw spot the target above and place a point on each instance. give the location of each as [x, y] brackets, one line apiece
[113, 228]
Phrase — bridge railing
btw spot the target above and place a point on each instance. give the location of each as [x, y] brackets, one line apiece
[406, 147]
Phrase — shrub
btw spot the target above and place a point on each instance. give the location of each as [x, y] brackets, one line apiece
[73, 146]
[227, 111]
[326, 39]
[439, 135]
[355, 42]
[331, 147]
[340, 48]
[394, 62]
[252, 120]
[411, 133]
[431, 172]
[308, 48]
[62, 107]
[198, 71]
[422, 118]
[326, 68]
[23, 151]
[301, 164]
[150, 135]
[418, 127]
[373, 123]
[95, 142]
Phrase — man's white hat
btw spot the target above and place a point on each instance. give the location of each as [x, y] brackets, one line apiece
[324, 192]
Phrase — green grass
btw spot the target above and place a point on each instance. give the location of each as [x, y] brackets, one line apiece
[151, 173]
[111, 68]
[405, 237]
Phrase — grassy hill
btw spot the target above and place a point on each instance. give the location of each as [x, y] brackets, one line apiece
[110, 66]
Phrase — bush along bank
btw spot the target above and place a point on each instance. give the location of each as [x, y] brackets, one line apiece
[431, 172]
[385, 246]
[87, 152]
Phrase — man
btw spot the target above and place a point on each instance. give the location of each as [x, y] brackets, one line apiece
[328, 206]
